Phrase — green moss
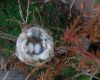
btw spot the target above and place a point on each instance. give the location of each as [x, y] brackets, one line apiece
[68, 72]
[83, 77]
[7, 47]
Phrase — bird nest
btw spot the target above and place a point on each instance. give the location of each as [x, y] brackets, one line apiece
[35, 46]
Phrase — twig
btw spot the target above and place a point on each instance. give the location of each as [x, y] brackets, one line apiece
[92, 75]
[5, 77]
[44, 3]
[20, 11]
[87, 55]
[77, 75]
[39, 2]
[34, 19]
[39, 16]
[15, 20]
[27, 78]
[7, 36]
[69, 32]
[86, 73]
[27, 14]
[71, 6]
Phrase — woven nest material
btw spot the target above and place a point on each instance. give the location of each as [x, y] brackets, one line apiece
[35, 46]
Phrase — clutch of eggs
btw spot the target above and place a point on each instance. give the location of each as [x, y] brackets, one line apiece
[34, 46]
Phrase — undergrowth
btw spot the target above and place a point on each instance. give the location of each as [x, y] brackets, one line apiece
[55, 19]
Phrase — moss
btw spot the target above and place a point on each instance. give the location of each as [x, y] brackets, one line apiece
[83, 77]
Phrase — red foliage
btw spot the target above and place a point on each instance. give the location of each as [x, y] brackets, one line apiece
[91, 29]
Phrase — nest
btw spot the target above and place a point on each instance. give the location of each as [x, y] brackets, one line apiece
[35, 46]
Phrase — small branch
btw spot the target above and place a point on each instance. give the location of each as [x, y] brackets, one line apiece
[87, 55]
[34, 21]
[20, 11]
[72, 5]
[39, 2]
[44, 3]
[17, 21]
[70, 13]
[7, 36]
[39, 16]
[27, 78]
[5, 77]
[27, 14]
[69, 32]
[86, 73]
[92, 75]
